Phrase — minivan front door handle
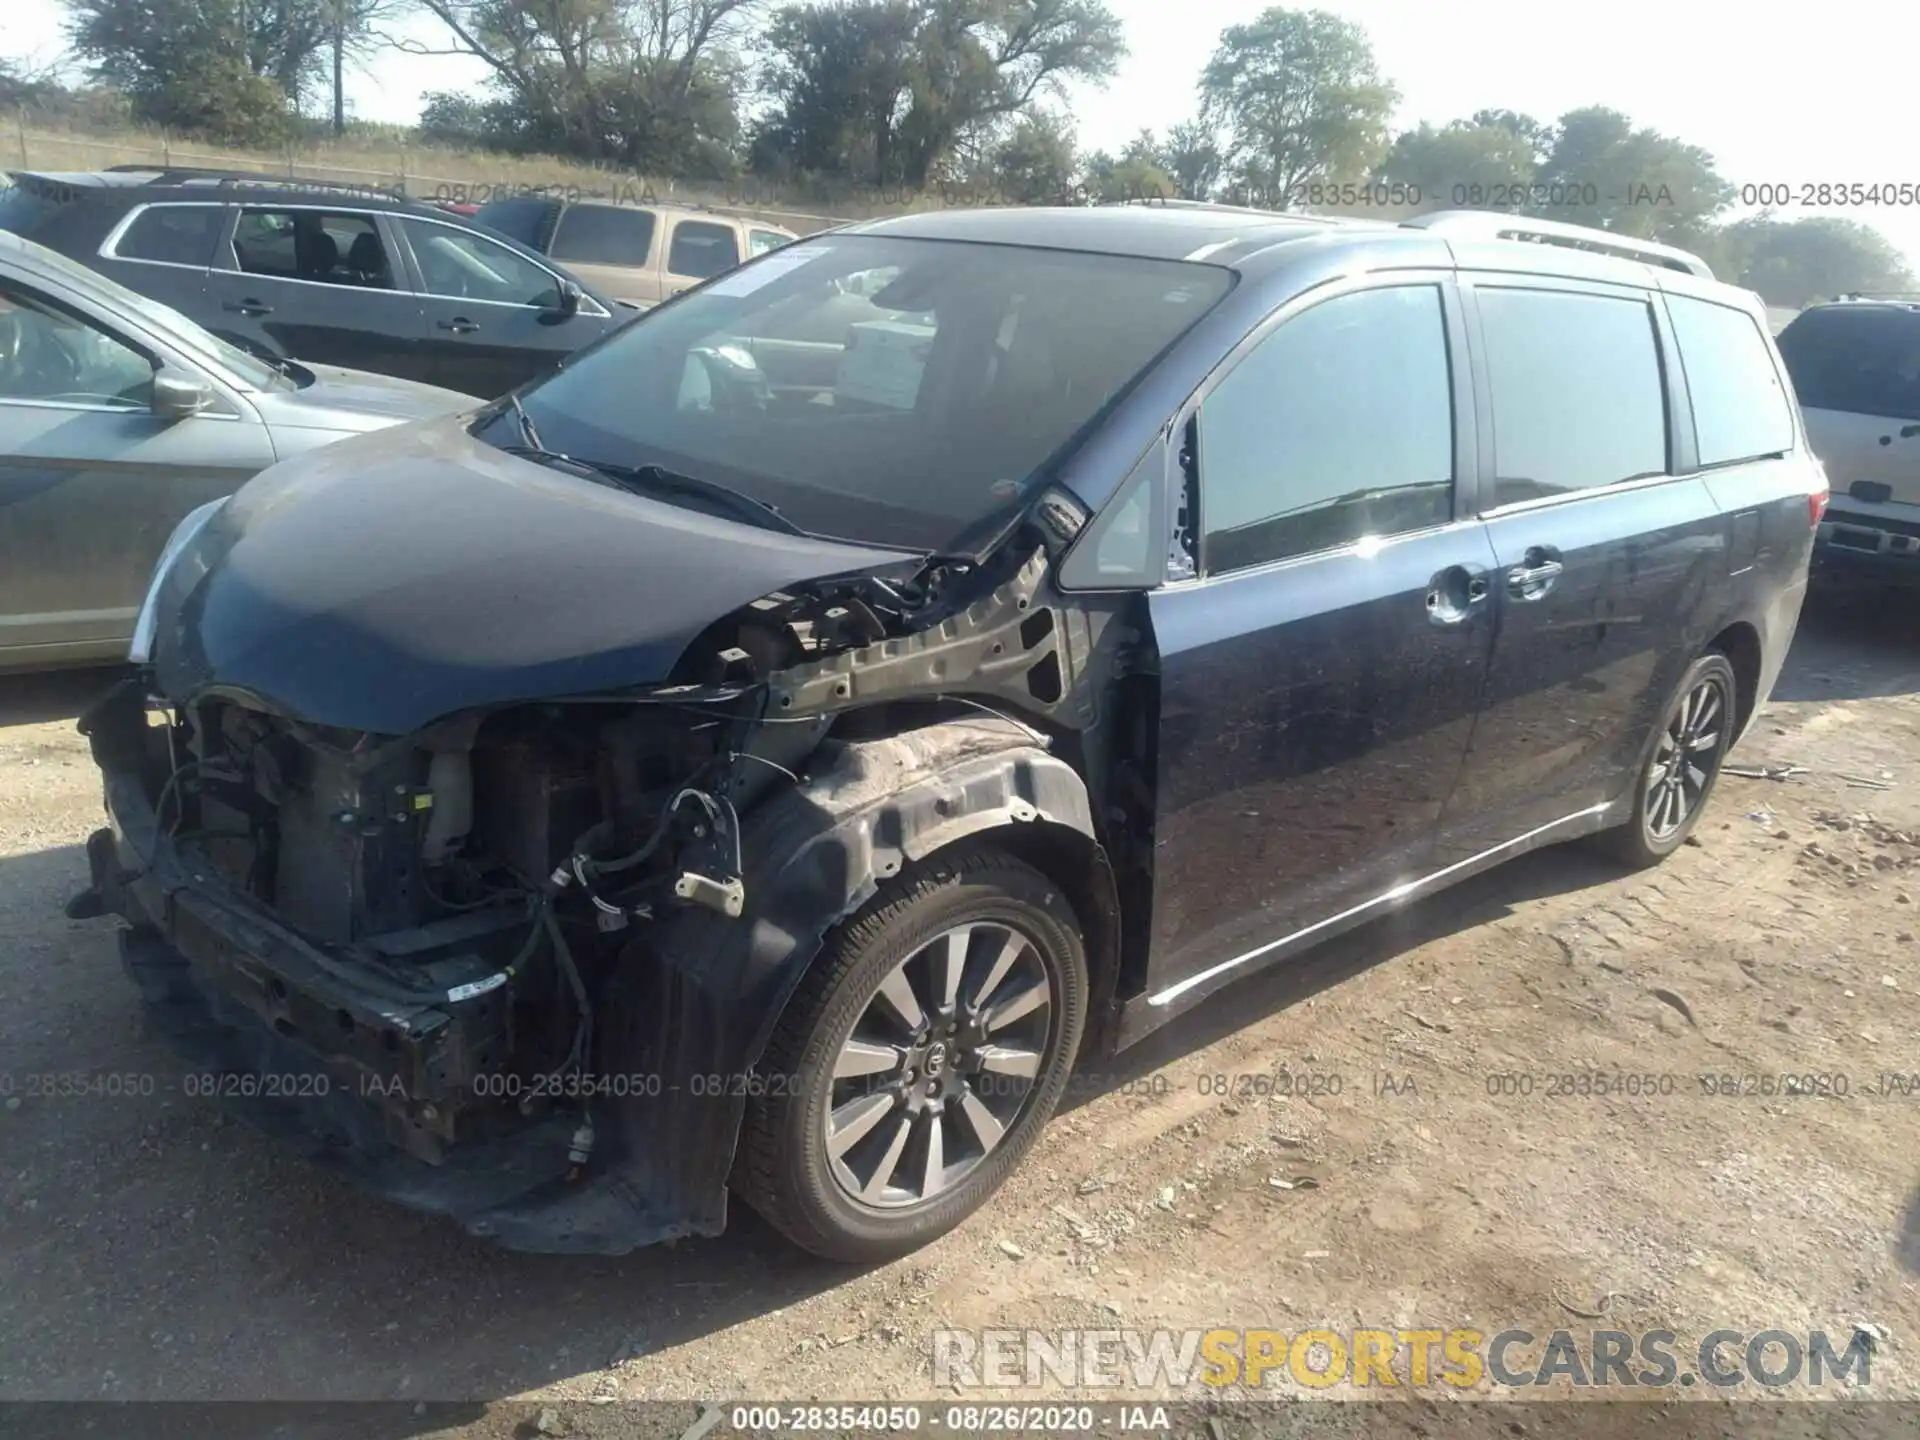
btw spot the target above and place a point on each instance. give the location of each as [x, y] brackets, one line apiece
[248, 307]
[1534, 576]
[459, 325]
[1455, 593]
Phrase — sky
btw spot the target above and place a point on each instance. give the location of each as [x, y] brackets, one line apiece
[1791, 95]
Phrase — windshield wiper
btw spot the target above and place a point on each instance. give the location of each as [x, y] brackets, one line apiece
[525, 421]
[657, 480]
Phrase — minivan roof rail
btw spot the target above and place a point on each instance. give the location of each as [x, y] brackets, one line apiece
[1155, 202]
[1493, 225]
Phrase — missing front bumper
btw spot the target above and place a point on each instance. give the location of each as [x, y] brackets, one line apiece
[334, 1065]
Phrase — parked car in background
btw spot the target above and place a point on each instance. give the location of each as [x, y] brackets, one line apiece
[641, 254]
[674, 780]
[1855, 364]
[324, 274]
[119, 416]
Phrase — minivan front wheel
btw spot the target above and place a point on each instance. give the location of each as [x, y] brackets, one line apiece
[918, 1060]
[1681, 767]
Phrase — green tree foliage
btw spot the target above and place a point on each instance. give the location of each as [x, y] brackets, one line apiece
[888, 90]
[1192, 156]
[1603, 172]
[1796, 262]
[212, 67]
[1299, 99]
[650, 84]
[1035, 164]
[1466, 163]
[1537, 136]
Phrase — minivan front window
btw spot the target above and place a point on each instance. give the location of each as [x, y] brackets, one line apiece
[895, 391]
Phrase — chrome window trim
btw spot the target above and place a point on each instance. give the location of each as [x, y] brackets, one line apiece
[1619, 487]
[110, 247]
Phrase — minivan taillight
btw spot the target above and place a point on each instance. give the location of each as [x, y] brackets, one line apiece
[1817, 501]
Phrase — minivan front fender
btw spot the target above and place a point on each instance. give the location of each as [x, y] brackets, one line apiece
[692, 1007]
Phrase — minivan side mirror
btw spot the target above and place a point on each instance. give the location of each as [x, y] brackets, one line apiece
[176, 396]
[569, 301]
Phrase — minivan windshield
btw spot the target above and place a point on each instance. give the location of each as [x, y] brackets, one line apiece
[901, 392]
[1860, 358]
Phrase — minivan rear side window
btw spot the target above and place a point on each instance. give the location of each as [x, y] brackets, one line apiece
[603, 235]
[1740, 409]
[1862, 359]
[1578, 398]
[1337, 426]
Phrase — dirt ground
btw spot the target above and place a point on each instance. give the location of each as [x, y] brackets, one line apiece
[151, 1248]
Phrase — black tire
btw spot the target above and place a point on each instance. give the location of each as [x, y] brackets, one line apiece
[1651, 833]
[785, 1170]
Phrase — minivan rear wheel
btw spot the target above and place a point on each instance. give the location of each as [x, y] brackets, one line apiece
[918, 1060]
[1681, 767]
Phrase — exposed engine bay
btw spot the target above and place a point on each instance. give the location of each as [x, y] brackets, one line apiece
[488, 875]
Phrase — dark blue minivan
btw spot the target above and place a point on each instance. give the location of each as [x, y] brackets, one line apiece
[765, 755]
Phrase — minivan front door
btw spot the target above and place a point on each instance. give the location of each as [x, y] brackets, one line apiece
[1320, 681]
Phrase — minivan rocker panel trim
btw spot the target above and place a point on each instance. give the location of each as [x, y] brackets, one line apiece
[1208, 980]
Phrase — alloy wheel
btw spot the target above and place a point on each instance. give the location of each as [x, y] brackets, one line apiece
[940, 1065]
[1685, 757]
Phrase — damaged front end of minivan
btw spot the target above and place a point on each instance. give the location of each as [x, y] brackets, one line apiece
[483, 875]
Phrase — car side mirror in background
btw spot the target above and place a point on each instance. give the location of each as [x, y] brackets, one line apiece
[175, 397]
[570, 297]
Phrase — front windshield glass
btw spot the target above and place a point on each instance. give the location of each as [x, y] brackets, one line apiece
[171, 324]
[899, 392]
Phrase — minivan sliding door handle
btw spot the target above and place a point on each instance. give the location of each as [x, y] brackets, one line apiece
[1536, 573]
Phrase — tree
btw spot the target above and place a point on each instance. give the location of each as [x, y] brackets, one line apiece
[350, 34]
[1135, 175]
[219, 68]
[648, 83]
[1538, 137]
[1298, 97]
[1468, 164]
[1193, 157]
[1035, 163]
[1603, 172]
[890, 89]
[1796, 262]
[841, 77]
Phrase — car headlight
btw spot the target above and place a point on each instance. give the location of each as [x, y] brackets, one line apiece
[148, 620]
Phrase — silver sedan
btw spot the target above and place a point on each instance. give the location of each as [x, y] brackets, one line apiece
[119, 416]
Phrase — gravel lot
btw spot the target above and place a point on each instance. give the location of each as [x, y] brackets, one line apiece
[150, 1248]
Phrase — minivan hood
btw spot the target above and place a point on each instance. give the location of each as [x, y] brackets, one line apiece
[392, 579]
[356, 400]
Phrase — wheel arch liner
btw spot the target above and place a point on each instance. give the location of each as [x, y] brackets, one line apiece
[696, 998]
